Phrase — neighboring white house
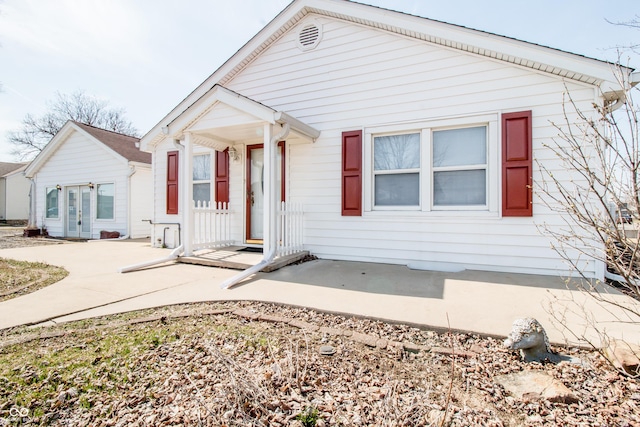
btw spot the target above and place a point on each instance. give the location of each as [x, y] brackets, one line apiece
[89, 180]
[14, 192]
[404, 140]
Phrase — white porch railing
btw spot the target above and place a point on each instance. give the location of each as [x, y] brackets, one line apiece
[211, 225]
[290, 228]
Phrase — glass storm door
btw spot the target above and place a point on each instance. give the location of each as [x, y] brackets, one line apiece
[255, 189]
[78, 212]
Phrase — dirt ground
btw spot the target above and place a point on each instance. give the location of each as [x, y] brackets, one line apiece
[244, 363]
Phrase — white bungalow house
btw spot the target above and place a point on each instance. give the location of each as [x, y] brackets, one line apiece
[398, 138]
[14, 193]
[88, 180]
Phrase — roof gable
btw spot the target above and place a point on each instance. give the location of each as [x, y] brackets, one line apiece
[536, 57]
[121, 146]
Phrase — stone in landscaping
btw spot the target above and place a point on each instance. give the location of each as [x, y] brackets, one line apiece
[303, 325]
[624, 356]
[368, 340]
[327, 350]
[533, 385]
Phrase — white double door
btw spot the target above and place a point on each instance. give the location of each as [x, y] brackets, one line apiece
[78, 211]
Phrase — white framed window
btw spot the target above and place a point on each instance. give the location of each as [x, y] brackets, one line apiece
[51, 204]
[202, 177]
[105, 201]
[442, 165]
[459, 166]
[396, 169]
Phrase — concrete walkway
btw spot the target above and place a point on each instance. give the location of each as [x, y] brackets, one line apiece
[481, 302]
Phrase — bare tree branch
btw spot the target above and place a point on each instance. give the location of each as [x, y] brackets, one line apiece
[36, 132]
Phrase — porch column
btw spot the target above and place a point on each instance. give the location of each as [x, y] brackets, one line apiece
[269, 218]
[187, 192]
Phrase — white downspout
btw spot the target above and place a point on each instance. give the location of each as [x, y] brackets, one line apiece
[129, 175]
[172, 256]
[32, 223]
[271, 211]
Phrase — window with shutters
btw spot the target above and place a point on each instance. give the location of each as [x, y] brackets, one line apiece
[202, 178]
[172, 182]
[436, 166]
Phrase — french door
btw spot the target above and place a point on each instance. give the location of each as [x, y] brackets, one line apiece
[78, 212]
[255, 189]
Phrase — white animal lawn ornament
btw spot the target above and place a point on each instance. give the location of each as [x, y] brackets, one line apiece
[528, 336]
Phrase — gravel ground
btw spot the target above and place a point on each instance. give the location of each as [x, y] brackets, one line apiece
[11, 237]
[256, 364]
[245, 363]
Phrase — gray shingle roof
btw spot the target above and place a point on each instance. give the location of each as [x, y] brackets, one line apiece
[6, 168]
[124, 145]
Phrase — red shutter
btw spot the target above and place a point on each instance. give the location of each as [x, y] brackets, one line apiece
[222, 176]
[517, 167]
[352, 173]
[172, 182]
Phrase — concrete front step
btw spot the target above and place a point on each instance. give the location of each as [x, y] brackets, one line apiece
[236, 260]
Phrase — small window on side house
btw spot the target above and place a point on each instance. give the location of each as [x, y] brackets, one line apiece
[52, 202]
[396, 170]
[202, 178]
[105, 201]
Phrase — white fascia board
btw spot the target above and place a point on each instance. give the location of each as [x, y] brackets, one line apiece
[500, 47]
[543, 58]
[260, 38]
[297, 126]
[218, 94]
[139, 165]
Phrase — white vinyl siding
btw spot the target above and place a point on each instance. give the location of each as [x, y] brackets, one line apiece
[360, 78]
[79, 161]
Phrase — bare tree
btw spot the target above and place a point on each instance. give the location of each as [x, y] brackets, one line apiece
[36, 132]
[601, 149]
[632, 23]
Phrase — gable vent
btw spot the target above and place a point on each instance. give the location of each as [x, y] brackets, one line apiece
[309, 36]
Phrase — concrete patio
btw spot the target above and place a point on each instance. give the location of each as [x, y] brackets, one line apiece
[474, 301]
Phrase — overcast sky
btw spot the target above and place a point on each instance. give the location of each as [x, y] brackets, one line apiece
[147, 55]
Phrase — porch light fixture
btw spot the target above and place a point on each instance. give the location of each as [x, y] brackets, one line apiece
[234, 154]
[90, 185]
[58, 187]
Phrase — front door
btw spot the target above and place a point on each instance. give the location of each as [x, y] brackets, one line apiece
[255, 189]
[78, 210]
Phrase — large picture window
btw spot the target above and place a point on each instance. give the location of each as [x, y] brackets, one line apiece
[202, 178]
[52, 202]
[105, 201]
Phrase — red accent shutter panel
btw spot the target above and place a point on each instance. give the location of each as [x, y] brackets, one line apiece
[352, 173]
[517, 167]
[222, 176]
[172, 182]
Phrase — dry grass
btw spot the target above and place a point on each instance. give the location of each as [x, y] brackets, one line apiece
[22, 277]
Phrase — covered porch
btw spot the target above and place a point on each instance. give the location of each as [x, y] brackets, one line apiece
[245, 206]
